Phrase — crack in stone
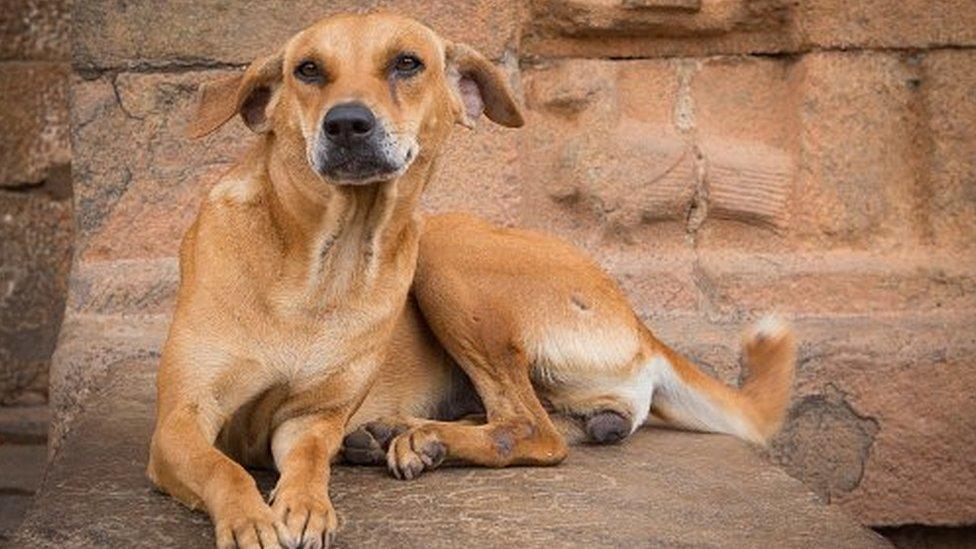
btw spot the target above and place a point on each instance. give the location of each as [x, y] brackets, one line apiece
[114, 81]
[93, 72]
[771, 54]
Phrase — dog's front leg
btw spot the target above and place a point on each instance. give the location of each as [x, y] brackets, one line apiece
[184, 463]
[303, 449]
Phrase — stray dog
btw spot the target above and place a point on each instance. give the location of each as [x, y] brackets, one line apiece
[298, 265]
[525, 329]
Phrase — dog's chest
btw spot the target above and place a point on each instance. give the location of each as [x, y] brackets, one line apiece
[333, 307]
[317, 341]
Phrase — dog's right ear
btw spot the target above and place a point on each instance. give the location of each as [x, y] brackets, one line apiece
[248, 93]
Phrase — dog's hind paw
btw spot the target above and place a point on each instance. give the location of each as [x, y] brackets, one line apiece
[368, 444]
[412, 453]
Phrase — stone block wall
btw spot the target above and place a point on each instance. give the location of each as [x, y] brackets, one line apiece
[35, 192]
[721, 158]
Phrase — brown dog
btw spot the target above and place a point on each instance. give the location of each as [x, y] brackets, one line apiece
[299, 263]
[504, 318]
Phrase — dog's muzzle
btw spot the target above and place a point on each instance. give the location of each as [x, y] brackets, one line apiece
[356, 149]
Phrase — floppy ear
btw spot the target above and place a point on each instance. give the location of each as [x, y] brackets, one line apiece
[481, 87]
[248, 94]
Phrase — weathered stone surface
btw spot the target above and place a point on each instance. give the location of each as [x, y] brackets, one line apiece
[23, 467]
[659, 488]
[36, 30]
[215, 32]
[655, 28]
[125, 287]
[948, 193]
[851, 442]
[744, 285]
[22, 462]
[664, 28]
[915, 380]
[883, 24]
[24, 424]
[12, 510]
[744, 116]
[856, 184]
[35, 249]
[609, 167]
[826, 443]
[34, 144]
[889, 402]
[35, 191]
[751, 141]
[478, 173]
[831, 183]
[136, 196]
[88, 347]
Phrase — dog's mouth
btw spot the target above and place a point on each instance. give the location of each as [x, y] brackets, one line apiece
[375, 161]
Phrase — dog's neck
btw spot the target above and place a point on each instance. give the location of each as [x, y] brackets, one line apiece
[340, 238]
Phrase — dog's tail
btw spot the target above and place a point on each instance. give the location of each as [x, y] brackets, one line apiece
[689, 398]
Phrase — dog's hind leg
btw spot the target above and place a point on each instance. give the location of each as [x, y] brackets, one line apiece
[369, 443]
[518, 430]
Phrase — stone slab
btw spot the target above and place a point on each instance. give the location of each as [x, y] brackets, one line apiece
[660, 488]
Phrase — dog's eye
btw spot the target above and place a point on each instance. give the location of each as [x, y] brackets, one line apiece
[308, 71]
[407, 65]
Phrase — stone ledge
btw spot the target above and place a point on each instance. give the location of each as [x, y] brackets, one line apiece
[660, 488]
[853, 375]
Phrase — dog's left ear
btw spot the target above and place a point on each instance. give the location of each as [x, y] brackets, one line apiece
[248, 94]
[481, 88]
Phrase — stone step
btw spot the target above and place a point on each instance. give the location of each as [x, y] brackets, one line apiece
[659, 488]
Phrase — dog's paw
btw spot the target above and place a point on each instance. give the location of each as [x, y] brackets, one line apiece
[412, 453]
[249, 526]
[368, 444]
[309, 520]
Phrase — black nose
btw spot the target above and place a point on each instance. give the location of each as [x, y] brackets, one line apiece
[349, 122]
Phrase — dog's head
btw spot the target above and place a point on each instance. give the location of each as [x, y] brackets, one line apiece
[365, 95]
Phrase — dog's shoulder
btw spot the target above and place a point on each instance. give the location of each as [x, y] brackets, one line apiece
[231, 219]
[235, 202]
[235, 189]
